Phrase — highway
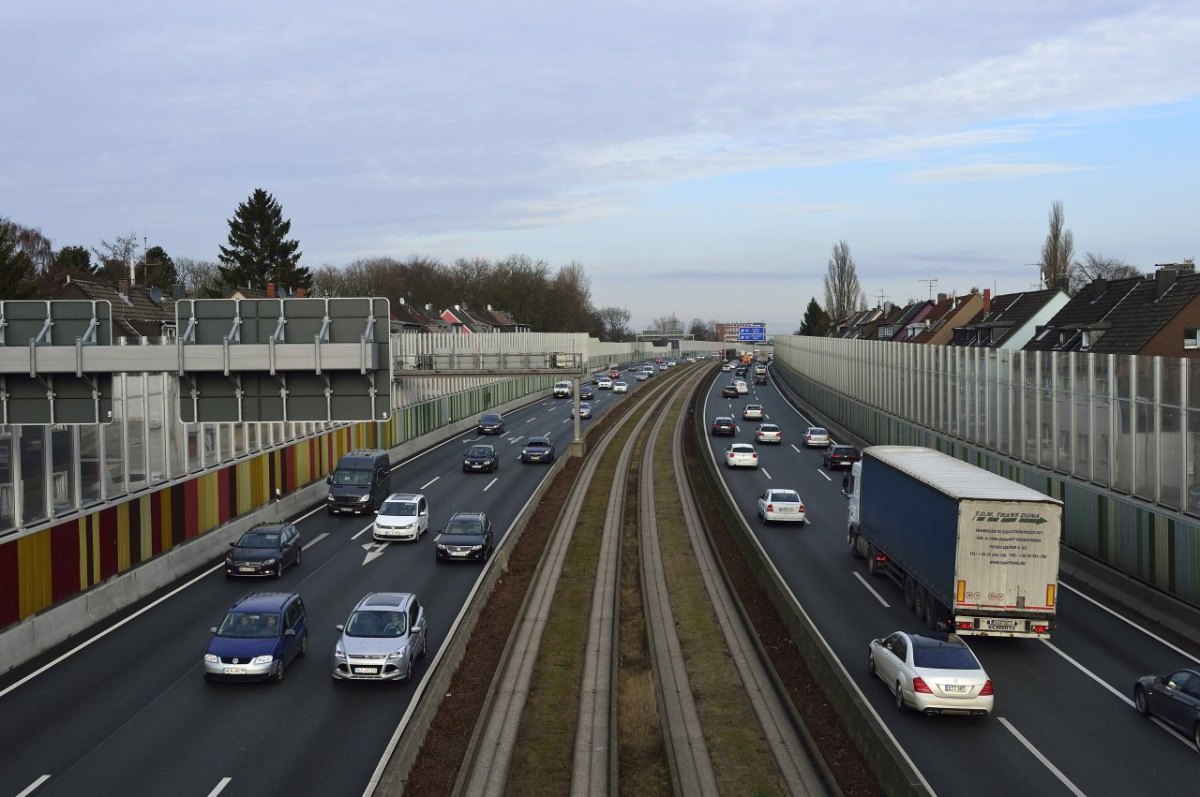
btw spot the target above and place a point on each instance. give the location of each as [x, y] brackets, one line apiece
[125, 710]
[1063, 720]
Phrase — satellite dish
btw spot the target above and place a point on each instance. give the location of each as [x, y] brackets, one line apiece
[284, 292]
[155, 295]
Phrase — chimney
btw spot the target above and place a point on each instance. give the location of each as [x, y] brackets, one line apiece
[299, 293]
[177, 291]
[987, 300]
[123, 286]
[457, 308]
[132, 272]
[270, 290]
[941, 298]
[1164, 279]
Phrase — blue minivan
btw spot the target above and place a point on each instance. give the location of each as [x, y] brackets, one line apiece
[261, 634]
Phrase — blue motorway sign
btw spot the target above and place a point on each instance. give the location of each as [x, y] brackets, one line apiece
[752, 334]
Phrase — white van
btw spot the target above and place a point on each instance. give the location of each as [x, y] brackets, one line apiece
[562, 389]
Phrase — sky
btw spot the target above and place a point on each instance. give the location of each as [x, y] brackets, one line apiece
[699, 159]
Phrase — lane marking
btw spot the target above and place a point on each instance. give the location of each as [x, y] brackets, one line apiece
[1126, 620]
[489, 484]
[795, 449]
[824, 475]
[359, 533]
[220, 787]
[1045, 761]
[29, 789]
[515, 440]
[314, 540]
[1127, 701]
[870, 589]
[766, 473]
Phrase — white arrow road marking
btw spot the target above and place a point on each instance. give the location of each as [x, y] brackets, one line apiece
[374, 551]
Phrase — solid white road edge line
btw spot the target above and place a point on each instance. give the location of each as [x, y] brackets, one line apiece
[29, 789]
[1045, 761]
[870, 589]
[1124, 619]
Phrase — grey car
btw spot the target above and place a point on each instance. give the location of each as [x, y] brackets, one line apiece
[381, 639]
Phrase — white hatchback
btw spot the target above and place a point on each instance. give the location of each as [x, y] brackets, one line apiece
[401, 516]
[781, 505]
[741, 455]
[604, 384]
[816, 437]
[620, 387]
[742, 387]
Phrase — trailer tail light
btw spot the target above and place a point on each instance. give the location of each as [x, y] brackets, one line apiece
[964, 625]
[1040, 629]
[987, 689]
[919, 685]
[1050, 590]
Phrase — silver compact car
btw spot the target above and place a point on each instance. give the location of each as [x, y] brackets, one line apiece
[933, 673]
[381, 639]
[741, 455]
[401, 516]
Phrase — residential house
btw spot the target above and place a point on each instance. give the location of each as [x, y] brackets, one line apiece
[410, 318]
[1010, 320]
[909, 323]
[947, 313]
[137, 310]
[1158, 315]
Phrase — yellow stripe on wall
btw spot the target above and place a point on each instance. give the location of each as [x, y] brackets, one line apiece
[33, 572]
[209, 496]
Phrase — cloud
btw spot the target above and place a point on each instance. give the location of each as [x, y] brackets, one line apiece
[982, 172]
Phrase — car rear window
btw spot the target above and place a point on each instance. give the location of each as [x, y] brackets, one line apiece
[786, 496]
[944, 658]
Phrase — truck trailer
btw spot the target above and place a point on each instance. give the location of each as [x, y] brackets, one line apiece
[973, 552]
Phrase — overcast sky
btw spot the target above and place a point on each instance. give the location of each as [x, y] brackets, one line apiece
[697, 158]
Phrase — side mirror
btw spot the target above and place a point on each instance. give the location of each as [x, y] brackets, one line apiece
[233, 544]
[340, 627]
[329, 479]
[290, 632]
[1158, 679]
[376, 511]
[213, 630]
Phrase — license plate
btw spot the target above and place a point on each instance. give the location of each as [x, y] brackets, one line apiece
[366, 670]
[458, 553]
[235, 671]
[954, 688]
[786, 510]
[246, 569]
[1002, 625]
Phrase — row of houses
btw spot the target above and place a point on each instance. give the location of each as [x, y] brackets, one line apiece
[1155, 315]
[146, 311]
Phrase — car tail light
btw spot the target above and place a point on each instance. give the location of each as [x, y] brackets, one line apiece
[770, 507]
[802, 507]
[919, 685]
[754, 456]
[987, 688]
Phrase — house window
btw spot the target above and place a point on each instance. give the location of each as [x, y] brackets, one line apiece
[1085, 340]
[1191, 338]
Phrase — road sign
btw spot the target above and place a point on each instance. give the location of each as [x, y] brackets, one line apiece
[43, 378]
[755, 334]
[251, 360]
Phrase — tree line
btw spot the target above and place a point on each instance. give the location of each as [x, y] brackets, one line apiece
[1057, 268]
[259, 251]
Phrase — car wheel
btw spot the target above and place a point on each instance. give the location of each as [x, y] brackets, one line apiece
[919, 599]
[900, 704]
[424, 645]
[329, 512]
[299, 553]
[853, 543]
[279, 568]
[277, 674]
[303, 645]
[1140, 701]
[872, 565]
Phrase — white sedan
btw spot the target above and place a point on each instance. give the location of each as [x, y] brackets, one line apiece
[642, 376]
[781, 505]
[932, 672]
[741, 455]
[604, 384]
[620, 387]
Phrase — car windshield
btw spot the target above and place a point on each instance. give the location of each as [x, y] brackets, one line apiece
[479, 451]
[249, 625]
[786, 496]
[376, 623]
[259, 539]
[357, 477]
[537, 444]
[401, 508]
[458, 526]
[490, 419]
[944, 658]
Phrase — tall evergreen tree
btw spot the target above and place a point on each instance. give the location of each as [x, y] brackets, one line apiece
[815, 322]
[16, 268]
[158, 268]
[259, 251]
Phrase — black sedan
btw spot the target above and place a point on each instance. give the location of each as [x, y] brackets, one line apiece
[481, 458]
[538, 449]
[1174, 698]
[468, 536]
[723, 425]
[586, 392]
[839, 457]
[730, 391]
[490, 423]
[264, 551]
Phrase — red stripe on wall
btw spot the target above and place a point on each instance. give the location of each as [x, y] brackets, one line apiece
[156, 522]
[108, 543]
[191, 509]
[64, 564]
[10, 594]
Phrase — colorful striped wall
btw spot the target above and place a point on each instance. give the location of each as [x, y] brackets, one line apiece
[56, 563]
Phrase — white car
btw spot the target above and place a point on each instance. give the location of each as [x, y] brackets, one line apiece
[604, 384]
[726, 367]
[742, 387]
[585, 410]
[741, 455]
[781, 505]
[642, 376]
[401, 516]
[752, 412]
[620, 387]
[816, 437]
[768, 433]
[931, 672]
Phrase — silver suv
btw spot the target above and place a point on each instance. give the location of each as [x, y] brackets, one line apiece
[381, 639]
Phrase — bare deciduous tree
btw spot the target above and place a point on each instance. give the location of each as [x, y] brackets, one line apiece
[1057, 251]
[667, 324]
[614, 322]
[200, 278]
[1096, 266]
[843, 293]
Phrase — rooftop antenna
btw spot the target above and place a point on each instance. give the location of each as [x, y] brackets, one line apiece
[1041, 277]
[930, 283]
[881, 298]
